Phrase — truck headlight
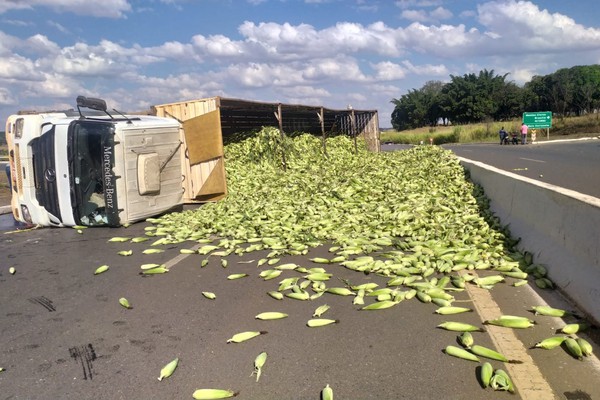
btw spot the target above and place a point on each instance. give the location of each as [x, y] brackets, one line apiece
[25, 214]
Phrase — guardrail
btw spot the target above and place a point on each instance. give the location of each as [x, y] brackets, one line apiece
[560, 227]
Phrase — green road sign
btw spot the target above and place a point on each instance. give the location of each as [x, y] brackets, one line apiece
[536, 120]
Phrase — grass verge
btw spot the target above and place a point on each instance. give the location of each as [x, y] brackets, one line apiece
[571, 127]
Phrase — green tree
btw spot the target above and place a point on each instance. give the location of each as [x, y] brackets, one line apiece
[478, 97]
[586, 88]
[574, 90]
[486, 96]
[432, 95]
[410, 111]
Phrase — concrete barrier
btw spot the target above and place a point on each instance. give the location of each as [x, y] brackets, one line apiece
[560, 227]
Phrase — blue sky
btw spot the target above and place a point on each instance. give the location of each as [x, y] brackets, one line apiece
[333, 53]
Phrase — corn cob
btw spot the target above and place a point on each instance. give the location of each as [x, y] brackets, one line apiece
[269, 315]
[213, 394]
[570, 329]
[485, 374]
[459, 327]
[491, 354]
[550, 343]
[327, 393]
[573, 348]
[243, 336]
[259, 362]
[168, 369]
[318, 322]
[461, 353]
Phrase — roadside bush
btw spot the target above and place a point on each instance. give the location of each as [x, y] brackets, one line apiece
[450, 137]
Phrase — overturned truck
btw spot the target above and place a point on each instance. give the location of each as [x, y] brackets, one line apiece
[96, 167]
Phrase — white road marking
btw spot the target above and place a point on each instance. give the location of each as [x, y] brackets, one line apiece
[531, 159]
[174, 261]
[527, 378]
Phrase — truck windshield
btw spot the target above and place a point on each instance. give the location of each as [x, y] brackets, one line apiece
[91, 159]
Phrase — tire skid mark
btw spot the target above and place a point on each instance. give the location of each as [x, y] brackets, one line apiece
[44, 302]
[84, 355]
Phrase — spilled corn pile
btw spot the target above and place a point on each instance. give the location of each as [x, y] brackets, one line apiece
[408, 217]
[413, 200]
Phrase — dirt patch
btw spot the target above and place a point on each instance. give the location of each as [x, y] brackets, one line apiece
[4, 190]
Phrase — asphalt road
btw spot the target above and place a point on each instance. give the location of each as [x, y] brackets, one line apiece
[64, 335]
[573, 165]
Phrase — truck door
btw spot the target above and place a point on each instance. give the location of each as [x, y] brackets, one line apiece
[204, 178]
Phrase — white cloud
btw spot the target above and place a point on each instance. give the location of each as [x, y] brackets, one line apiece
[252, 75]
[297, 74]
[441, 13]
[272, 35]
[6, 98]
[388, 71]
[106, 59]
[472, 67]
[522, 75]
[104, 8]
[57, 88]
[218, 46]
[417, 3]
[365, 5]
[523, 27]
[285, 41]
[357, 97]
[6, 5]
[336, 69]
[168, 50]
[40, 45]
[511, 28]
[435, 15]
[36, 45]
[152, 90]
[15, 22]
[53, 86]
[382, 89]
[58, 27]
[442, 41]
[426, 69]
[7, 43]
[19, 68]
[335, 64]
[305, 92]
[467, 14]
[415, 15]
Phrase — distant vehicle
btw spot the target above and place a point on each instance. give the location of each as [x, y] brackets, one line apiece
[93, 167]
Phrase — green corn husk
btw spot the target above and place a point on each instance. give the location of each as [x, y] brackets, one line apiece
[168, 369]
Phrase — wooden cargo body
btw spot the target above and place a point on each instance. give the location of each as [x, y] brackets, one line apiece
[207, 121]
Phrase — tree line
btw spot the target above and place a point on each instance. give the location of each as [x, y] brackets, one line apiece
[486, 96]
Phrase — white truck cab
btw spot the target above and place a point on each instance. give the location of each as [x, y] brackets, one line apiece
[94, 168]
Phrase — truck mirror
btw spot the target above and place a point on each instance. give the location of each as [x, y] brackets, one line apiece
[91, 102]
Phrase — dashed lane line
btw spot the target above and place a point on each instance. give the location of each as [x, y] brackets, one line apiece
[531, 159]
[176, 260]
[527, 378]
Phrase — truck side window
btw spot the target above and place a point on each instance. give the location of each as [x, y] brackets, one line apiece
[19, 127]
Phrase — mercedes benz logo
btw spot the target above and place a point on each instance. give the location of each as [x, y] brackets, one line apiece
[50, 175]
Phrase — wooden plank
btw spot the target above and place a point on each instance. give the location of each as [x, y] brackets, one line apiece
[203, 137]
